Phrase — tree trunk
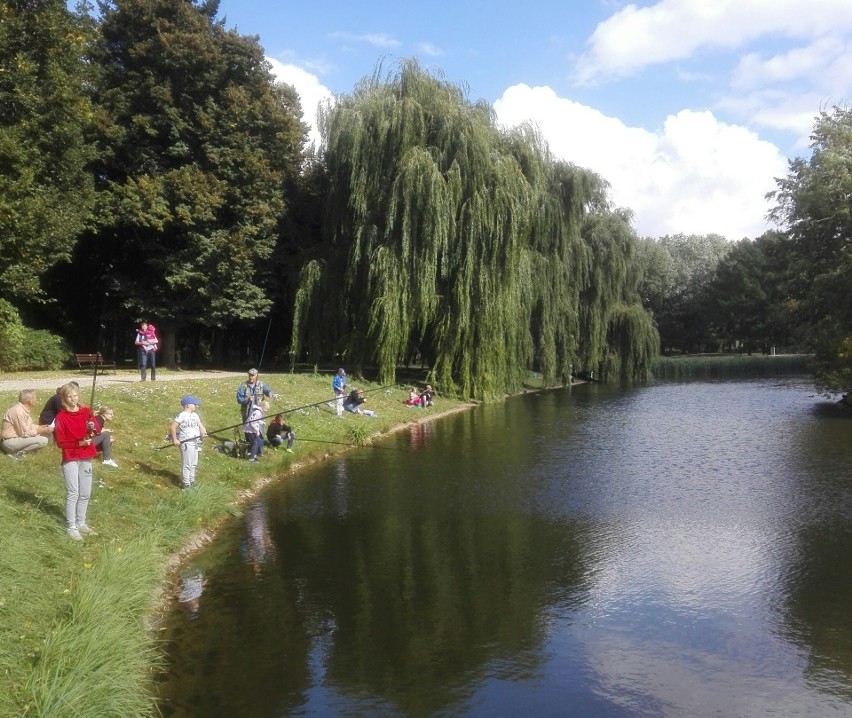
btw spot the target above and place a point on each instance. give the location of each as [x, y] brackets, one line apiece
[166, 356]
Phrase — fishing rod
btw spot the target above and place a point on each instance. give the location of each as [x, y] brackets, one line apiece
[286, 411]
[263, 351]
[97, 363]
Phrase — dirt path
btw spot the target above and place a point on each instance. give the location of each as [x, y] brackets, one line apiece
[51, 381]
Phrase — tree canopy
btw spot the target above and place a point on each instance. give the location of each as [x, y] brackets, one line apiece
[45, 185]
[462, 244]
[814, 204]
[197, 142]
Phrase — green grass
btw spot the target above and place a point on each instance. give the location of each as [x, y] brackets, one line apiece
[77, 620]
[699, 366]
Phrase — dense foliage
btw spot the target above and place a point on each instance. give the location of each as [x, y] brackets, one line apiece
[814, 203]
[469, 248]
[196, 144]
[45, 188]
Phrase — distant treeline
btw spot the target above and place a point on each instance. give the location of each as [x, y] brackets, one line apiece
[721, 366]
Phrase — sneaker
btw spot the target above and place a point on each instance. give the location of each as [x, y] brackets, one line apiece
[289, 450]
[74, 533]
[187, 487]
[86, 530]
[110, 462]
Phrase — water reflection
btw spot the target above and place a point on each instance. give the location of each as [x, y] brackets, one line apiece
[191, 588]
[665, 551]
[257, 546]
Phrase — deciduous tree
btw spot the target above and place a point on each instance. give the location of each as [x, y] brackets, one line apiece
[198, 143]
[814, 204]
[45, 188]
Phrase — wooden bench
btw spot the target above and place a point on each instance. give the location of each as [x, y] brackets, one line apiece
[90, 361]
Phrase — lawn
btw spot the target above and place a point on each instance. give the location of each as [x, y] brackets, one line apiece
[78, 620]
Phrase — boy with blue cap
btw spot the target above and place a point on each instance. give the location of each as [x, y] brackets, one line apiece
[187, 432]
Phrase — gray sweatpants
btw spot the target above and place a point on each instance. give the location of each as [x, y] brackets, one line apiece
[189, 455]
[78, 489]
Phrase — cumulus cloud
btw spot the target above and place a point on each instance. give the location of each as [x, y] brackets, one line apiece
[695, 175]
[634, 37]
[786, 90]
[311, 93]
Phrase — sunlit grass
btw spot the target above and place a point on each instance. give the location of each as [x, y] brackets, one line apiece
[74, 633]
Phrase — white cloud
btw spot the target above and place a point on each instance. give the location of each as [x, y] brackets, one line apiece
[311, 93]
[427, 48]
[380, 40]
[786, 90]
[696, 175]
[634, 38]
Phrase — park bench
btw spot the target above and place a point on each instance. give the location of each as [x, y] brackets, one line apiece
[91, 360]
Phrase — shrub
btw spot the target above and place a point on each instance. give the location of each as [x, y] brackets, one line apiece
[22, 348]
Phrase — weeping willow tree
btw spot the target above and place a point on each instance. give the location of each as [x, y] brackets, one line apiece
[459, 243]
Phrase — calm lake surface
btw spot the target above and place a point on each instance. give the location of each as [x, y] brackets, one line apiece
[675, 549]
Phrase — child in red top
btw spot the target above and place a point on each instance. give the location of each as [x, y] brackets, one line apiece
[74, 433]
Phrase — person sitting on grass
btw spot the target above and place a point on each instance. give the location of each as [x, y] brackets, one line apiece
[104, 439]
[353, 403]
[53, 406]
[413, 398]
[427, 396]
[278, 431]
[20, 436]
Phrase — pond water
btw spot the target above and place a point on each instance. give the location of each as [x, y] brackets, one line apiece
[673, 549]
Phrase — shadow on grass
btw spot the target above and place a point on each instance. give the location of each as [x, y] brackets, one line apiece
[164, 474]
[39, 503]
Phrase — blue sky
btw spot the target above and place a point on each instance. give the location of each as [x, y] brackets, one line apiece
[689, 108]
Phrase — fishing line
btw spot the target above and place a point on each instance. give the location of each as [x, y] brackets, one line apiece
[276, 413]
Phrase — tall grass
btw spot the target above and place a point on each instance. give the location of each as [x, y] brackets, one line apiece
[75, 617]
[729, 365]
[97, 659]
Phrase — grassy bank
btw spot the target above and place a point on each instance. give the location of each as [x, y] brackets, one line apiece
[75, 635]
[721, 366]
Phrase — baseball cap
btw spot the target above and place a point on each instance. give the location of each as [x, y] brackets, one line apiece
[189, 399]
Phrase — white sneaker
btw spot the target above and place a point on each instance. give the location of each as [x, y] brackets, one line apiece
[86, 530]
[74, 533]
[109, 462]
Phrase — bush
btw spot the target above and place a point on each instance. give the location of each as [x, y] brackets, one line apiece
[22, 348]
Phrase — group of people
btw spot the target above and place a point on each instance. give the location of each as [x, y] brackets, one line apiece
[76, 430]
[353, 401]
[81, 433]
[21, 435]
[251, 396]
[421, 399]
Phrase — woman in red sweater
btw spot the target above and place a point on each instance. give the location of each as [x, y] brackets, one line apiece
[74, 431]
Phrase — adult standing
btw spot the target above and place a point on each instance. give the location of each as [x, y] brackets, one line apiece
[147, 345]
[74, 433]
[251, 393]
[338, 385]
[20, 435]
